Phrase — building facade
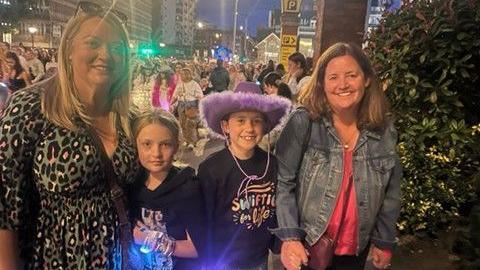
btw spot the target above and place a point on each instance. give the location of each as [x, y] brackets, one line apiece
[44, 20]
[139, 15]
[173, 24]
[269, 49]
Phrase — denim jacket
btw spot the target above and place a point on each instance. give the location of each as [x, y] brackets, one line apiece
[309, 183]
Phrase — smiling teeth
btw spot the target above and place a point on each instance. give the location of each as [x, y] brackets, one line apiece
[344, 94]
[249, 137]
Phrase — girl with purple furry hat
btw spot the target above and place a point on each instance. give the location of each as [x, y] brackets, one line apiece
[239, 181]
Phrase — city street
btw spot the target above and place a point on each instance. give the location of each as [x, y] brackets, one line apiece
[390, 136]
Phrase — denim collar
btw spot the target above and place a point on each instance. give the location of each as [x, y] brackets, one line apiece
[362, 139]
[329, 125]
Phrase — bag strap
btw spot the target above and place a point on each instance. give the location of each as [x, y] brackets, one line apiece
[116, 192]
[306, 141]
[308, 135]
[118, 197]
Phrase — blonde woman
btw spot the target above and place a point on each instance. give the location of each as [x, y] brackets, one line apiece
[186, 97]
[56, 206]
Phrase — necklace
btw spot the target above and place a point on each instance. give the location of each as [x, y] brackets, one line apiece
[347, 143]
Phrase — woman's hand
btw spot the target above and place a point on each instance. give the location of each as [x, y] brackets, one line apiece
[8, 250]
[293, 255]
[381, 258]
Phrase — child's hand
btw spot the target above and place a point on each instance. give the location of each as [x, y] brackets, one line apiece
[140, 232]
[381, 258]
[293, 255]
[151, 240]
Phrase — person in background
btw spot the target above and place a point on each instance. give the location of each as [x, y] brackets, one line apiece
[219, 77]
[5, 46]
[20, 51]
[43, 56]
[249, 70]
[236, 76]
[35, 66]
[339, 173]
[239, 181]
[172, 84]
[256, 72]
[297, 76]
[273, 85]
[18, 77]
[165, 201]
[160, 92]
[241, 74]
[205, 86]
[52, 66]
[269, 68]
[185, 99]
[232, 73]
[280, 70]
[57, 210]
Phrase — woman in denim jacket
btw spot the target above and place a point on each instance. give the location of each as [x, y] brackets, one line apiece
[339, 174]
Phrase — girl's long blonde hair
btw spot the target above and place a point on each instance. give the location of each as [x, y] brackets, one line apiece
[60, 101]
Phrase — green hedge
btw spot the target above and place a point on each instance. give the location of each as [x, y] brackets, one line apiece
[427, 55]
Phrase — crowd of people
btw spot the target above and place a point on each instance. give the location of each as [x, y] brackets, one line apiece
[309, 168]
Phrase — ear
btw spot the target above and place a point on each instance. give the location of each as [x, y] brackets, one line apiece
[224, 125]
[367, 82]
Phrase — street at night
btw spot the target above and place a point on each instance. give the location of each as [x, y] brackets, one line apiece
[240, 134]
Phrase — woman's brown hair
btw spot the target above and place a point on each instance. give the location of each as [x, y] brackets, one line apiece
[373, 108]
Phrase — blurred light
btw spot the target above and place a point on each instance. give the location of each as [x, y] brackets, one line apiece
[32, 30]
[200, 25]
[161, 44]
[241, 27]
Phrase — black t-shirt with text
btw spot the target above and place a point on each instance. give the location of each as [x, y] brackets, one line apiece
[240, 210]
[177, 207]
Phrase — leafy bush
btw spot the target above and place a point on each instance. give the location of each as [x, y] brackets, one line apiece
[427, 54]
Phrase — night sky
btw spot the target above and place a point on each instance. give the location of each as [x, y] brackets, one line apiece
[220, 13]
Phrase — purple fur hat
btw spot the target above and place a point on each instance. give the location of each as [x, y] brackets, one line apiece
[247, 96]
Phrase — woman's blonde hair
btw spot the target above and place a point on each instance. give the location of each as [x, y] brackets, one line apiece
[157, 116]
[61, 103]
[373, 108]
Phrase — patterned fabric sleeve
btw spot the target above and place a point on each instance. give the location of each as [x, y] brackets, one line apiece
[20, 126]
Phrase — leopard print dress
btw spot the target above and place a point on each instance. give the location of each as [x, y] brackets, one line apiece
[53, 192]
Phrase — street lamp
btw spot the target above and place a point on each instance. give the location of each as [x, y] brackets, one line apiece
[200, 25]
[235, 27]
[32, 30]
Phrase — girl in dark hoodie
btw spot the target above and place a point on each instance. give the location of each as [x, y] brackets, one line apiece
[166, 203]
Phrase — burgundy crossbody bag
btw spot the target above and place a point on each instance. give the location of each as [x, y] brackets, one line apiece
[321, 253]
